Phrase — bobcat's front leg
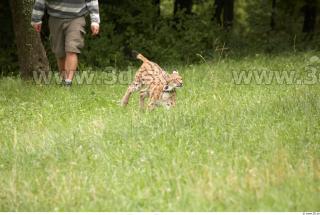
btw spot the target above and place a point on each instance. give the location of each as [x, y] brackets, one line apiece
[151, 105]
[125, 99]
[174, 99]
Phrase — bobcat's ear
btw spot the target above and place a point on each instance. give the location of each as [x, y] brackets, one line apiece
[175, 72]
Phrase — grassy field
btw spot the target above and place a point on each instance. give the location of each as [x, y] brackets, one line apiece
[225, 147]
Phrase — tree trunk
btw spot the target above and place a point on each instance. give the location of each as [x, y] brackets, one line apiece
[228, 13]
[156, 4]
[31, 53]
[273, 14]
[183, 5]
[310, 16]
[225, 6]
[218, 7]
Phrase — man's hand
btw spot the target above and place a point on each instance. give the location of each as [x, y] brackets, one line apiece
[37, 27]
[95, 29]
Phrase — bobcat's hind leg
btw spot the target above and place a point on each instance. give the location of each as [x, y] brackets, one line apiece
[143, 95]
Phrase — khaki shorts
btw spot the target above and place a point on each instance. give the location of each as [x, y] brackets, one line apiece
[66, 35]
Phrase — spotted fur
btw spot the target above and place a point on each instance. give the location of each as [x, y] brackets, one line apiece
[153, 83]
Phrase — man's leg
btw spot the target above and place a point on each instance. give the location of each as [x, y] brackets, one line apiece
[57, 42]
[62, 67]
[71, 64]
[74, 42]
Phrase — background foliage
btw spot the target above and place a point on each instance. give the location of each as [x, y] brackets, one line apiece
[184, 38]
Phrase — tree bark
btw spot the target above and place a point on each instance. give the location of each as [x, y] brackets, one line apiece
[31, 53]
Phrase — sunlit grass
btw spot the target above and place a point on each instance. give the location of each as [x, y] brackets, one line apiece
[225, 147]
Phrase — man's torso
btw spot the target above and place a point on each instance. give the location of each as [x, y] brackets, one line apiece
[66, 9]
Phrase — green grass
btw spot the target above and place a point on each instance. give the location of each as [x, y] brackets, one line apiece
[225, 147]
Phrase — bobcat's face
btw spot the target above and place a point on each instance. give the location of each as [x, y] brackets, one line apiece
[175, 81]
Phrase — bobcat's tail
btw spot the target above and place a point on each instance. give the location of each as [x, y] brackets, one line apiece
[139, 56]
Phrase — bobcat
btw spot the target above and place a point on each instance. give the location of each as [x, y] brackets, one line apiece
[152, 81]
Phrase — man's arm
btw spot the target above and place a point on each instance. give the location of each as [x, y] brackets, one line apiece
[37, 14]
[93, 7]
[38, 11]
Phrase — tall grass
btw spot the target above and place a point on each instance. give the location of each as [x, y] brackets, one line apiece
[225, 147]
